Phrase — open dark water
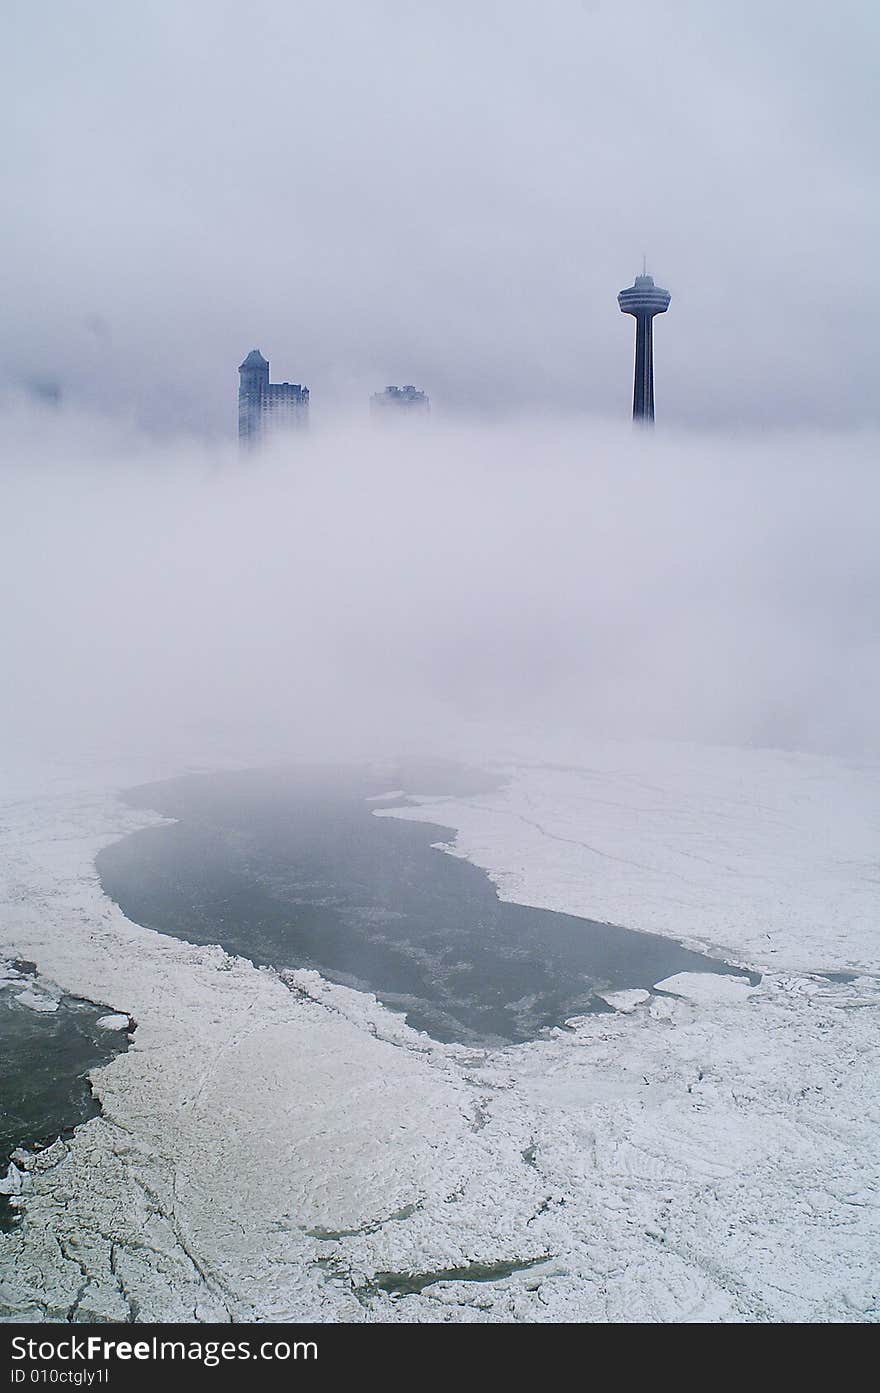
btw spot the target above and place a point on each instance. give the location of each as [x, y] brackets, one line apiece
[45, 1057]
[289, 868]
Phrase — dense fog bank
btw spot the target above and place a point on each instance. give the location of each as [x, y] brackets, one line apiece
[383, 586]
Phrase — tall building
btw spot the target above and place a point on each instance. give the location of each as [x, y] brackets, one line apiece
[265, 407]
[406, 400]
[643, 299]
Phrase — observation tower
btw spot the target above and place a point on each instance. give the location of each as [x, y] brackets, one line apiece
[643, 299]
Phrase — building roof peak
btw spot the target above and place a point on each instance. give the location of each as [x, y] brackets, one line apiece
[255, 359]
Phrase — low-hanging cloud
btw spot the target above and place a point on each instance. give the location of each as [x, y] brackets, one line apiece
[353, 588]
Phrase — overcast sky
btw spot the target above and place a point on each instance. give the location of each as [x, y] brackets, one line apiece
[448, 193]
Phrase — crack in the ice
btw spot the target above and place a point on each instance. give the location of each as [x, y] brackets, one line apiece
[126, 1295]
[84, 1284]
[398, 1284]
[573, 841]
[332, 1235]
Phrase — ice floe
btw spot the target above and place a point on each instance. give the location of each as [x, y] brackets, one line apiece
[625, 1001]
[706, 987]
[36, 1001]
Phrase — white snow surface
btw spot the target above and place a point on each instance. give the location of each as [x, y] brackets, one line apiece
[272, 1146]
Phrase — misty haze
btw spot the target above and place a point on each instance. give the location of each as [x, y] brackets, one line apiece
[441, 741]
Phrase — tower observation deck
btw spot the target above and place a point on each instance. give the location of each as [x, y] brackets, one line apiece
[643, 299]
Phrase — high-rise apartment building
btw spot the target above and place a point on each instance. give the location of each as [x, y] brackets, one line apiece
[266, 407]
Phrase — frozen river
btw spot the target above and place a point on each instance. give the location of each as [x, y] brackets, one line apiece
[705, 1152]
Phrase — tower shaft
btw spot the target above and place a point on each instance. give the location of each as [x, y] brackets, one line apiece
[643, 383]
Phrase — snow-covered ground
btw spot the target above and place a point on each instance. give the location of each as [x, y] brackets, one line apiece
[276, 1147]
